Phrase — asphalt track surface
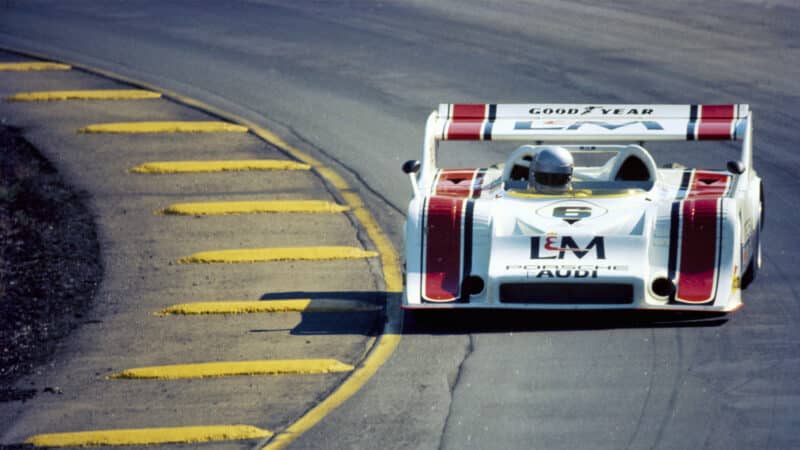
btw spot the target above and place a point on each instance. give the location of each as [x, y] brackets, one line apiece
[352, 83]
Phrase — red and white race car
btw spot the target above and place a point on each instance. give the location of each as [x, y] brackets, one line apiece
[579, 216]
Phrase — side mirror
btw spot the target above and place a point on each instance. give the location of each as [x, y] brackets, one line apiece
[736, 167]
[411, 166]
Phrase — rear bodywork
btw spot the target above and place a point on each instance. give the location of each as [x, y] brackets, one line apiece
[628, 235]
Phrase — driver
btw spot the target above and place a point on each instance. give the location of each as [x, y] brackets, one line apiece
[551, 171]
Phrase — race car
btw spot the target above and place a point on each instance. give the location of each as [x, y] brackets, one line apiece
[579, 216]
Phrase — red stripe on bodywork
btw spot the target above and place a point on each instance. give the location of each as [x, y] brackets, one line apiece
[442, 274]
[466, 122]
[468, 111]
[700, 237]
[698, 250]
[477, 184]
[707, 184]
[716, 122]
[457, 182]
[441, 280]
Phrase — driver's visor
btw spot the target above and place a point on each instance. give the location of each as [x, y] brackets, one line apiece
[552, 179]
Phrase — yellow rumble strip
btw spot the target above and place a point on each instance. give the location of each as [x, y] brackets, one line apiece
[218, 166]
[105, 94]
[253, 207]
[278, 254]
[149, 436]
[164, 127]
[268, 306]
[235, 368]
[29, 66]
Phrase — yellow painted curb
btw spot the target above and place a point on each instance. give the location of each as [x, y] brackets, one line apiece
[163, 127]
[149, 436]
[217, 166]
[31, 66]
[254, 207]
[252, 255]
[380, 354]
[234, 368]
[268, 306]
[104, 94]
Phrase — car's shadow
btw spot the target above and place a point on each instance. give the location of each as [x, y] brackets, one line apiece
[376, 297]
[367, 323]
[442, 322]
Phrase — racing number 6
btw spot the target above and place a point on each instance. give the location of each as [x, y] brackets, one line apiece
[572, 212]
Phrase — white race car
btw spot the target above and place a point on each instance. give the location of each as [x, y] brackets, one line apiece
[580, 216]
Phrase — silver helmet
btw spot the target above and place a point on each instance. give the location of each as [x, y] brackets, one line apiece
[551, 170]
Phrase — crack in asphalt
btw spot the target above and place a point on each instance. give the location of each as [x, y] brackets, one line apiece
[361, 234]
[670, 410]
[646, 401]
[353, 172]
[470, 348]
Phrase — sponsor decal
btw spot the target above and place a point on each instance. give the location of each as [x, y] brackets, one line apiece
[565, 274]
[528, 125]
[749, 246]
[552, 248]
[705, 122]
[577, 271]
[604, 110]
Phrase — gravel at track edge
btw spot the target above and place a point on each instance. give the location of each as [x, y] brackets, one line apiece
[50, 264]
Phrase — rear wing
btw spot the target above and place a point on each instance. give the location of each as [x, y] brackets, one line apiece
[585, 123]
